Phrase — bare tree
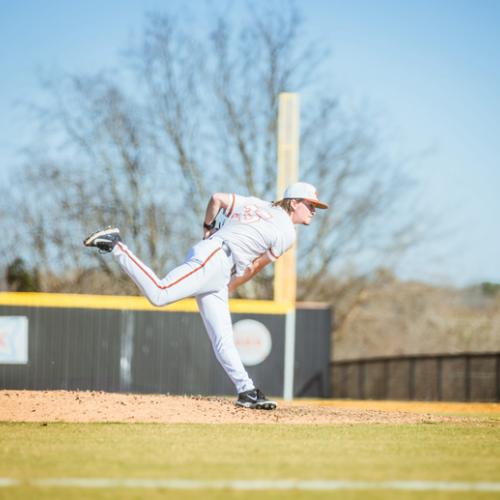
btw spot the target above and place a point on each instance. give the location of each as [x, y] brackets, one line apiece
[194, 112]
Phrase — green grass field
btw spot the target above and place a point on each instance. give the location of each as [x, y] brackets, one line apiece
[422, 452]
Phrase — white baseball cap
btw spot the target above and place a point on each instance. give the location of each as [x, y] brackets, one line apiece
[304, 191]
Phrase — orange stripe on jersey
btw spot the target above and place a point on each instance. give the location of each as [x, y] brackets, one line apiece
[232, 205]
[164, 287]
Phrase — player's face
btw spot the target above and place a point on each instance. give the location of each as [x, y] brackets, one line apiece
[304, 212]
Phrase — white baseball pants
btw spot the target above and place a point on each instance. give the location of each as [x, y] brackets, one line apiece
[205, 274]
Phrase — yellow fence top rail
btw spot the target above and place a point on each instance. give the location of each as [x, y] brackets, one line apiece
[77, 301]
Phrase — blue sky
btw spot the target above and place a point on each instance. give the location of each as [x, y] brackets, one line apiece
[429, 70]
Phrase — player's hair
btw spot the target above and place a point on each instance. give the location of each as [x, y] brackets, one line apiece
[285, 204]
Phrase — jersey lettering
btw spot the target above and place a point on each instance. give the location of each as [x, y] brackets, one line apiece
[251, 214]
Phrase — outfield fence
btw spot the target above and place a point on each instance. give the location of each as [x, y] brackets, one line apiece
[442, 377]
[123, 344]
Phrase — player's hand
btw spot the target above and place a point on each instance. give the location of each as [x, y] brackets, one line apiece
[208, 232]
[208, 229]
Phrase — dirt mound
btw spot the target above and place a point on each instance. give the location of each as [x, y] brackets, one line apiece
[70, 406]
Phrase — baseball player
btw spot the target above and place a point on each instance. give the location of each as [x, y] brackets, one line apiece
[253, 234]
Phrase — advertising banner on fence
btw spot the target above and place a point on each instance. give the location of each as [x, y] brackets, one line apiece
[13, 340]
[253, 341]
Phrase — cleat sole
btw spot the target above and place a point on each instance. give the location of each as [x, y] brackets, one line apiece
[268, 405]
[89, 241]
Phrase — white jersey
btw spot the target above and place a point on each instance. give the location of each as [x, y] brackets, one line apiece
[253, 227]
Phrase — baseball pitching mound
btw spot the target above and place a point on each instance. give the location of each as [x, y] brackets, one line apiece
[73, 406]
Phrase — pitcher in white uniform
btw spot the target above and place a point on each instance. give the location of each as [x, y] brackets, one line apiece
[253, 234]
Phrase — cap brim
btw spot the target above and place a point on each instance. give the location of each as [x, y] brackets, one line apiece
[317, 203]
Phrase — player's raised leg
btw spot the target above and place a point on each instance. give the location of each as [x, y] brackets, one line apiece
[198, 274]
[203, 270]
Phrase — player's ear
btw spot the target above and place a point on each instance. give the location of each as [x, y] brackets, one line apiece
[294, 203]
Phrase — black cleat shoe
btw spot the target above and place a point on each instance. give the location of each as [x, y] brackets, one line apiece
[255, 400]
[104, 240]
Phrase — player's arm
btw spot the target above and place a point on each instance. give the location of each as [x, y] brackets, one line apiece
[217, 202]
[256, 266]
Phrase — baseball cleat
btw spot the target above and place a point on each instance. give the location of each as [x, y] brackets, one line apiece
[105, 240]
[255, 400]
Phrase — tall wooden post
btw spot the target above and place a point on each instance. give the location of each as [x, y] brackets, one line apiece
[285, 278]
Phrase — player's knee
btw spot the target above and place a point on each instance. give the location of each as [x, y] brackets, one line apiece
[158, 299]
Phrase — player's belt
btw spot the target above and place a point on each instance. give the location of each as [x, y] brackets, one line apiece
[226, 249]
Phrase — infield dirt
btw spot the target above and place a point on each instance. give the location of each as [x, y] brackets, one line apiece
[74, 406]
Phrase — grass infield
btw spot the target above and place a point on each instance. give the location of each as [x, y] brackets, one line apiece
[463, 452]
